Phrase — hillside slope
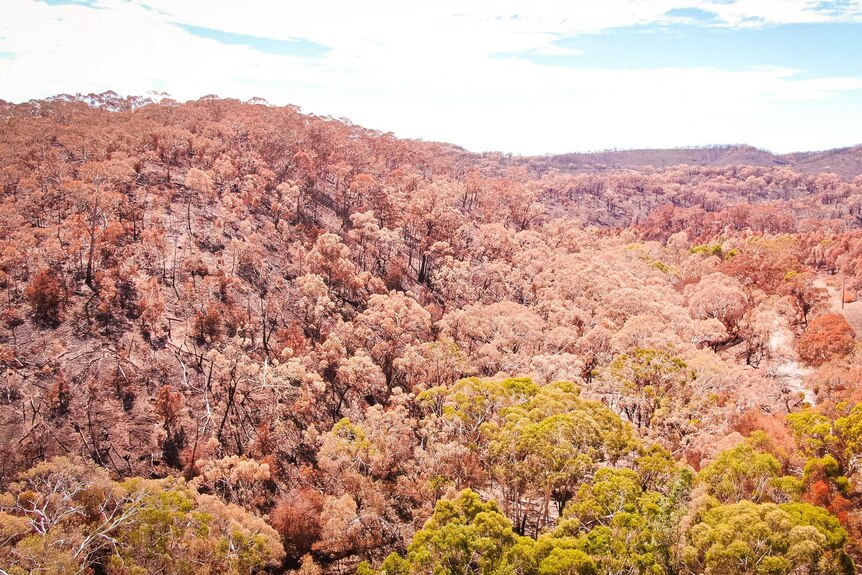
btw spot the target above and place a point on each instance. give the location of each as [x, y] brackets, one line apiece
[334, 329]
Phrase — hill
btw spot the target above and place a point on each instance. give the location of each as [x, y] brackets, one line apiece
[845, 162]
[271, 340]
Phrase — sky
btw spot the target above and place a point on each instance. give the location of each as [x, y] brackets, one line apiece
[526, 77]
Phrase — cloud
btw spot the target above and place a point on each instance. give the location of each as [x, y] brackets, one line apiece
[433, 70]
[693, 15]
[762, 12]
[293, 47]
[87, 3]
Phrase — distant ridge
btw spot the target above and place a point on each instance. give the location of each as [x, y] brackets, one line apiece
[845, 162]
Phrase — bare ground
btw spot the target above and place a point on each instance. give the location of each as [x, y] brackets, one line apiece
[851, 311]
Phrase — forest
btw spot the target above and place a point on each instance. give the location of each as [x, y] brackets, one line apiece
[236, 338]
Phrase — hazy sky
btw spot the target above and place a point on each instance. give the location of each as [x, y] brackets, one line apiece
[533, 77]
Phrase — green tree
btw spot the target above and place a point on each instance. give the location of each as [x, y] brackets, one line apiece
[65, 516]
[745, 472]
[749, 538]
[464, 535]
[622, 526]
[647, 386]
[544, 448]
[819, 435]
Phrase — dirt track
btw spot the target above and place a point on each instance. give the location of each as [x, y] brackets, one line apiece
[852, 311]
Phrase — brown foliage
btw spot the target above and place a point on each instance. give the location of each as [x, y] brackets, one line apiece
[827, 338]
[286, 271]
[44, 294]
[207, 325]
[167, 406]
[781, 443]
[296, 517]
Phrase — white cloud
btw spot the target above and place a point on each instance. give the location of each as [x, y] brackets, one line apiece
[758, 12]
[432, 69]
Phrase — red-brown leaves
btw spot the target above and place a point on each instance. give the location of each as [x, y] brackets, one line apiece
[827, 338]
[296, 518]
[44, 294]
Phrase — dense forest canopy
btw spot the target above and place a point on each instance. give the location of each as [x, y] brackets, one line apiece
[235, 338]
